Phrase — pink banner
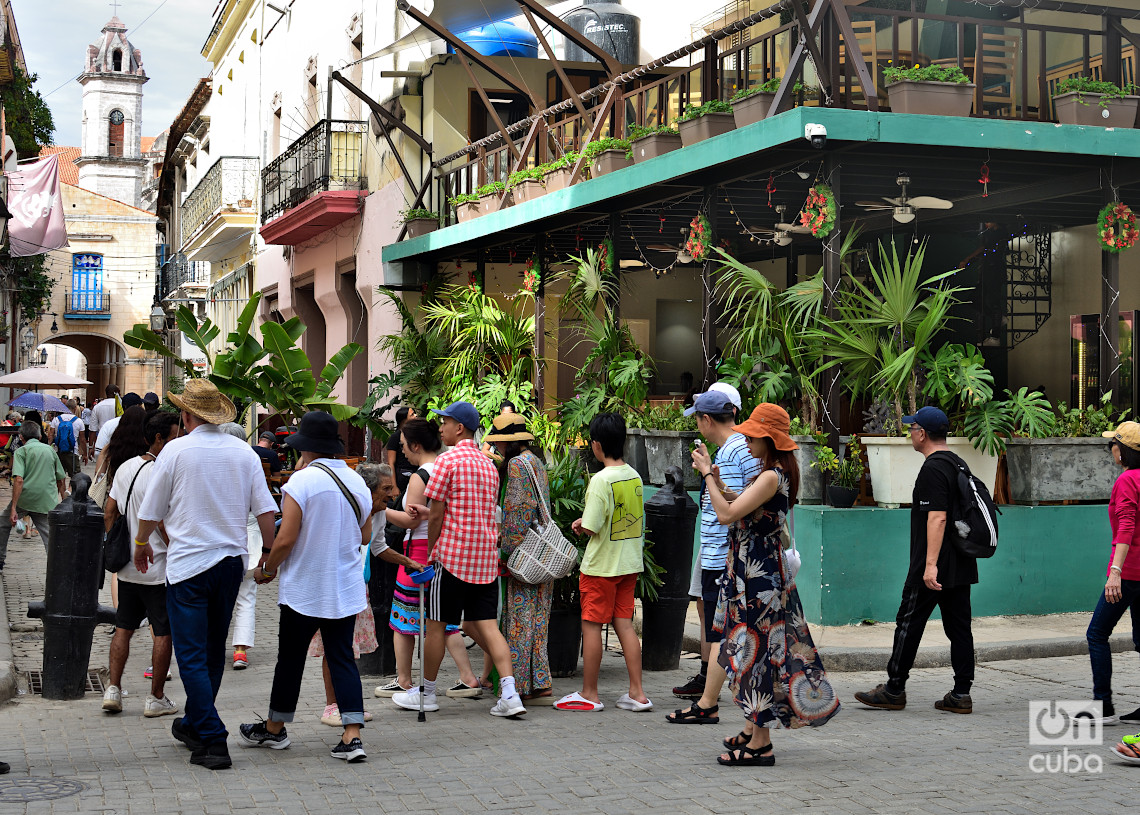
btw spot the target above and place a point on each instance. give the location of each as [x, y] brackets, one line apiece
[37, 224]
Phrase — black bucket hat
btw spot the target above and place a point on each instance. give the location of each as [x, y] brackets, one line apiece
[317, 433]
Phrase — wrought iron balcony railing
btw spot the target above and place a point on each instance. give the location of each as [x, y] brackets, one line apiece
[229, 186]
[328, 156]
[178, 271]
[84, 303]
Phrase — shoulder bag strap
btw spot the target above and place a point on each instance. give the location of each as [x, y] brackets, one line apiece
[543, 509]
[131, 489]
[351, 498]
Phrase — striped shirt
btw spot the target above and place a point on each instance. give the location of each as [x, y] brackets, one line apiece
[737, 469]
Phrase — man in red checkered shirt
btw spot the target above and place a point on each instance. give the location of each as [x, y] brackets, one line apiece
[463, 542]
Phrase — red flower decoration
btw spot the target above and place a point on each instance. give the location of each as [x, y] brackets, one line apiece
[1116, 230]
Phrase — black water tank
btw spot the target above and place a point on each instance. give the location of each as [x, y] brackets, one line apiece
[608, 24]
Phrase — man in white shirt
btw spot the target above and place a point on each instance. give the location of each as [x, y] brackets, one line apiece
[107, 428]
[105, 410]
[203, 488]
[141, 596]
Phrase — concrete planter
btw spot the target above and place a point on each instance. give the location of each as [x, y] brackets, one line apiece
[1059, 470]
[558, 179]
[658, 144]
[931, 98]
[665, 448]
[527, 190]
[894, 466]
[811, 479]
[705, 127]
[467, 212]
[634, 454]
[421, 226]
[1085, 109]
[752, 109]
[609, 160]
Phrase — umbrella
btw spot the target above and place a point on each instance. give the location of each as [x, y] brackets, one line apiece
[36, 378]
[42, 402]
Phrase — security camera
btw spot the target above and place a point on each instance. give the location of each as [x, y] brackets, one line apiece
[816, 134]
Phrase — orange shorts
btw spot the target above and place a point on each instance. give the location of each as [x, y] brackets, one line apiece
[606, 598]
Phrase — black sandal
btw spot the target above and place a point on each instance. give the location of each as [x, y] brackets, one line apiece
[747, 757]
[694, 715]
[741, 740]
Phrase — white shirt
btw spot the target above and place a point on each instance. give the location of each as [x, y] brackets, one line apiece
[85, 415]
[144, 467]
[323, 576]
[204, 486]
[106, 431]
[103, 413]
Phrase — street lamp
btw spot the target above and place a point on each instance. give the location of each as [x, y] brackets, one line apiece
[43, 356]
[157, 318]
[54, 325]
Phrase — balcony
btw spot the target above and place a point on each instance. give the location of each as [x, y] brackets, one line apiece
[315, 184]
[221, 210]
[86, 305]
[181, 278]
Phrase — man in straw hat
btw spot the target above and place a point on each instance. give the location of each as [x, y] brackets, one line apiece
[203, 488]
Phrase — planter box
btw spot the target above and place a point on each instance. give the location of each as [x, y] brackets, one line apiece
[421, 226]
[467, 212]
[895, 464]
[752, 108]
[527, 190]
[558, 180]
[811, 479]
[658, 144]
[609, 160]
[1059, 470]
[634, 454]
[931, 98]
[1117, 113]
[490, 203]
[665, 448]
[705, 127]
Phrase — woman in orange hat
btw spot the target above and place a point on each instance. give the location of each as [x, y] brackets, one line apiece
[770, 662]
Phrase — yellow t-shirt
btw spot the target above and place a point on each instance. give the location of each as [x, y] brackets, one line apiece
[615, 511]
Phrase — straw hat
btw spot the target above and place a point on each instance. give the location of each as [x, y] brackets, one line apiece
[769, 421]
[202, 398]
[508, 427]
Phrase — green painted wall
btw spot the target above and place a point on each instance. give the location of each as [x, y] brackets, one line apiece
[1050, 559]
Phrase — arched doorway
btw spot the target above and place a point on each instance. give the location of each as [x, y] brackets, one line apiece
[106, 360]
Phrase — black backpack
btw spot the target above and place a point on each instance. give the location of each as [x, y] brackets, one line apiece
[973, 514]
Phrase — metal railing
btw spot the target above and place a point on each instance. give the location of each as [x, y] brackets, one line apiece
[178, 271]
[328, 156]
[230, 185]
[83, 302]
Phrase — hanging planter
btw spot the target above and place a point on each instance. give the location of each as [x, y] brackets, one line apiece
[532, 275]
[819, 212]
[1116, 228]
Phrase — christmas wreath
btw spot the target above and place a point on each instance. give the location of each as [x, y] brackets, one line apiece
[1116, 228]
[606, 257]
[532, 275]
[819, 212]
[700, 238]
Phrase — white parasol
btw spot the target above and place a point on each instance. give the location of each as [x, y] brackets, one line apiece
[36, 378]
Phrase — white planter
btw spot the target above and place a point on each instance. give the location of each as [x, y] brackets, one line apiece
[895, 464]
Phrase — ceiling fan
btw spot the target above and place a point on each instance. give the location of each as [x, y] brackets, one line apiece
[678, 249]
[782, 232]
[904, 209]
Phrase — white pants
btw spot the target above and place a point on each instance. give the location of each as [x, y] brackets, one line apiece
[244, 613]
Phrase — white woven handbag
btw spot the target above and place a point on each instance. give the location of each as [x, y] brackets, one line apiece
[544, 555]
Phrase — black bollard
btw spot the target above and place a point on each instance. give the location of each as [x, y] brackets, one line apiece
[71, 609]
[670, 521]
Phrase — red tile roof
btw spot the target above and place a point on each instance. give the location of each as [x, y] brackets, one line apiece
[68, 172]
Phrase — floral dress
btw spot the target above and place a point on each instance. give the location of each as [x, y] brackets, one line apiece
[773, 668]
[526, 607]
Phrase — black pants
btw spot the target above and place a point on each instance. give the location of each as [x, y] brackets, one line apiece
[295, 633]
[917, 606]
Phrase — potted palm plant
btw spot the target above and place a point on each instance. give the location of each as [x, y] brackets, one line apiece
[527, 184]
[1082, 100]
[651, 142]
[702, 122]
[420, 221]
[750, 105]
[557, 173]
[937, 90]
[607, 155]
[466, 206]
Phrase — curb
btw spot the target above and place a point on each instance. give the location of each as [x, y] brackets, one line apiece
[7, 665]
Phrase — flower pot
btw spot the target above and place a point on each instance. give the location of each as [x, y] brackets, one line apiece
[1068, 469]
[705, 127]
[527, 190]
[894, 466]
[421, 226]
[609, 160]
[931, 98]
[468, 211]
[490, 203]
[658, 144]
[634, 453]
[811, 479]
[752, 109]
[1085, 109]
[558, 179]
[564, 641]
[841, 497]
[665, 448]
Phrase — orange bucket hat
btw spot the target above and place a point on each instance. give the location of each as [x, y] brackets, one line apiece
[769, 421]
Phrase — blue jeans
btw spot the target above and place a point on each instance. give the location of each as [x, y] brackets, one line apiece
[1104, 619]
[200, 609]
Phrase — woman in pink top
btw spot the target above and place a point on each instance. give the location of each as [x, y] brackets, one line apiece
[1122, 589]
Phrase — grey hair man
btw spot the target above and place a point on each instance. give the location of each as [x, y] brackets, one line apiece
[38, 484]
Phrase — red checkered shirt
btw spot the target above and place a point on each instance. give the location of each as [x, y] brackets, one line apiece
[468, 544]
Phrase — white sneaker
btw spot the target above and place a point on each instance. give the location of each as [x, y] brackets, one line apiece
[627, 702]
[509, 707]
[158, 707]
[410, 700]
[113, 699]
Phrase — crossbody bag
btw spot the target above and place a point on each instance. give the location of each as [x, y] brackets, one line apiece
[544, 555]
[117, 540]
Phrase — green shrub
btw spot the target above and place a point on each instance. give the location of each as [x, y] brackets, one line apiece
[712, 106]
[1081, 85]
[595, 148]
[526, 174]
[640, 131]
[465, 198]
[926, 73]
[771, 86]
[494, 188]
[415, 213]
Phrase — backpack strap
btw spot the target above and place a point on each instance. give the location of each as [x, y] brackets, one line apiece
[954, 459]
[344, 490]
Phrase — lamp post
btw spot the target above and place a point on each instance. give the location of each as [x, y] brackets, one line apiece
[157, 318]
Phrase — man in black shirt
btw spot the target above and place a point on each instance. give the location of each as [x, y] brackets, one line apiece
[939, 576]
[394, 452]
[264, 449]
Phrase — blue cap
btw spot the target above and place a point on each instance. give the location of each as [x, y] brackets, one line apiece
[715, 402]
[929, 418]
[464, 413]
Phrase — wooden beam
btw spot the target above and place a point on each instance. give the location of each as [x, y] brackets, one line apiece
[613, 67]
[520, 159]
[419, 200]
[599, 122]
[796, 63]
[383, 129]
[549, 49]
[1132, 37]
[490, 107]
[383, 113]
[854, 52]
[807, 37]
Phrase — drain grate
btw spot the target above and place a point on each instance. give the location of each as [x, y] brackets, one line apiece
[36, 683]
[23, 790]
